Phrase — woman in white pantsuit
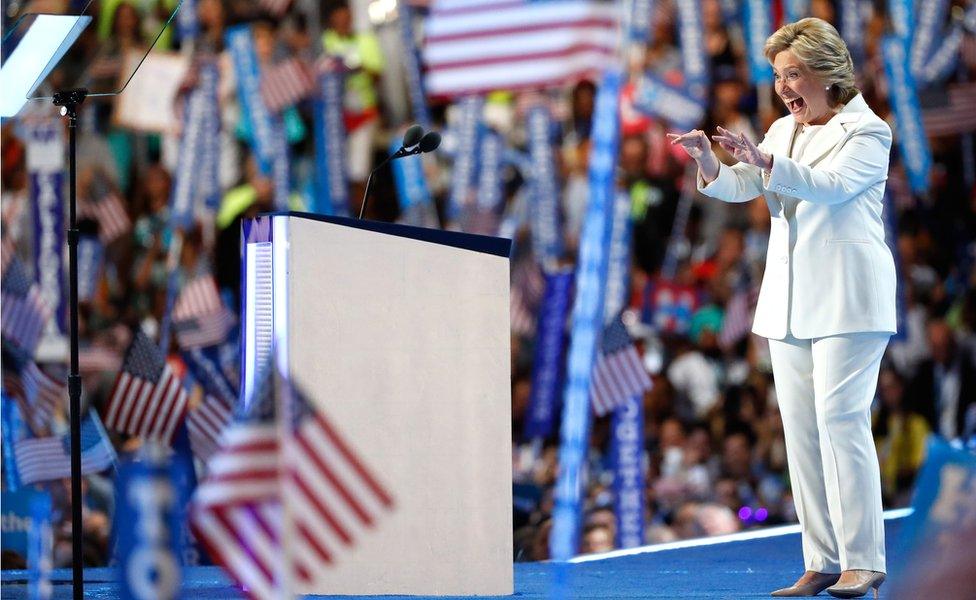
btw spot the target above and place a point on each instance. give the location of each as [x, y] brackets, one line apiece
[827, 301]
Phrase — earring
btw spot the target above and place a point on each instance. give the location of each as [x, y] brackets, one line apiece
[827, 88]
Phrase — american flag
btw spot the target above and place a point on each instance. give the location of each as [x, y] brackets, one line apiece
[237, 510]
[334, 497]
[738, 316]
[957, 115]
[200, 317]
[148, 399]
[619, 373]
[286, 84]
[99, 359]
[476, 46]
[38, 394]
[109, 211]
[207, 367]
[205, 422]
[24, 313]
[47, 458]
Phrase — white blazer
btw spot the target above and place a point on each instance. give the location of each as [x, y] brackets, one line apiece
[840, 276]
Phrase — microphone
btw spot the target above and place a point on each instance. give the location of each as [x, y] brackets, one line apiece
[412, 136]
[415, 141]
[429, 142]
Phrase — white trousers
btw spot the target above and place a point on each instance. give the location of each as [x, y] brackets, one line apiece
[825, 387]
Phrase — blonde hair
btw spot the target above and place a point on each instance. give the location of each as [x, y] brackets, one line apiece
[820, 48]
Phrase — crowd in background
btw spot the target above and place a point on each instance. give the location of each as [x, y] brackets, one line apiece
[715, 456]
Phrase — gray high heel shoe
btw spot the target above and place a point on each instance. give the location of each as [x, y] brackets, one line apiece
[810, 584]
[864, 581]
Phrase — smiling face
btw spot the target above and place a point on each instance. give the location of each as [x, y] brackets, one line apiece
[803, 92]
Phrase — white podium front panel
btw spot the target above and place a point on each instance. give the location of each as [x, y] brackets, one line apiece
[404, 345]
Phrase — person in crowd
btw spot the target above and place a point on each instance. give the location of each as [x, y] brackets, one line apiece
[362, 58]
[900, 435]
[947, 383]
[827, 303]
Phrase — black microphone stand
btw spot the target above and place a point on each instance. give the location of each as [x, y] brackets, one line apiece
[69, 100]
[369, 180]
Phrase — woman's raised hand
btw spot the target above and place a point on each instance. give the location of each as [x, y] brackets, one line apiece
[695, 142]
[742, 149]
[698, 146]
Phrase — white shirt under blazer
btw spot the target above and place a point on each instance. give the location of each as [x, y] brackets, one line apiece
[839, 275]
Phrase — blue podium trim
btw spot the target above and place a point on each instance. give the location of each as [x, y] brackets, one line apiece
[259, 230]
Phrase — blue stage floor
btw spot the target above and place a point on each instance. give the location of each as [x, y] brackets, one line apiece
[726, 569]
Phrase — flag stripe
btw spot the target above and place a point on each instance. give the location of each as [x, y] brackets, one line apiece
[457, 62]
[316, 457]
[478, 46]
[47, 458]
[352, 461]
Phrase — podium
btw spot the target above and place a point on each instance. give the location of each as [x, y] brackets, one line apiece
[400, 335]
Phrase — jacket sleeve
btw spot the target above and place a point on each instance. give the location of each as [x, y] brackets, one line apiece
[741, 182]
[859, 164]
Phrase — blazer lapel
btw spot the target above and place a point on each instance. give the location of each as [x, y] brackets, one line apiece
[777, 140]
[834, 131]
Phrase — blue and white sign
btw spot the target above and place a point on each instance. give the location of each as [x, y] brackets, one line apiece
[490, 198]
[240, 44]
[330, 140]
[40, 549]
[146, 529]
[411, 64]
[280, 171]
[694, 57]
[627, 452]
[465, 158]
[852, 28]
[945, 59]
[759, 26]
[587, 319]
[639, 14]
[618, 266]
[944, 512]
[547, 237]
[210, 144]
[904, 100]
[187, 23]
[655, 97]
[902, 16]
[16, 518]
[45, 166]
[188, 165]
[12, 428]
[547, 367]
[794, 10]
[930, 20]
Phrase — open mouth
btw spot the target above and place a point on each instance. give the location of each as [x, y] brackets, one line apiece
[795, 104]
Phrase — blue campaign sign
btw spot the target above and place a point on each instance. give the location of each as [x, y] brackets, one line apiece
[148, 544]
[16, 518]
[944, 514]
